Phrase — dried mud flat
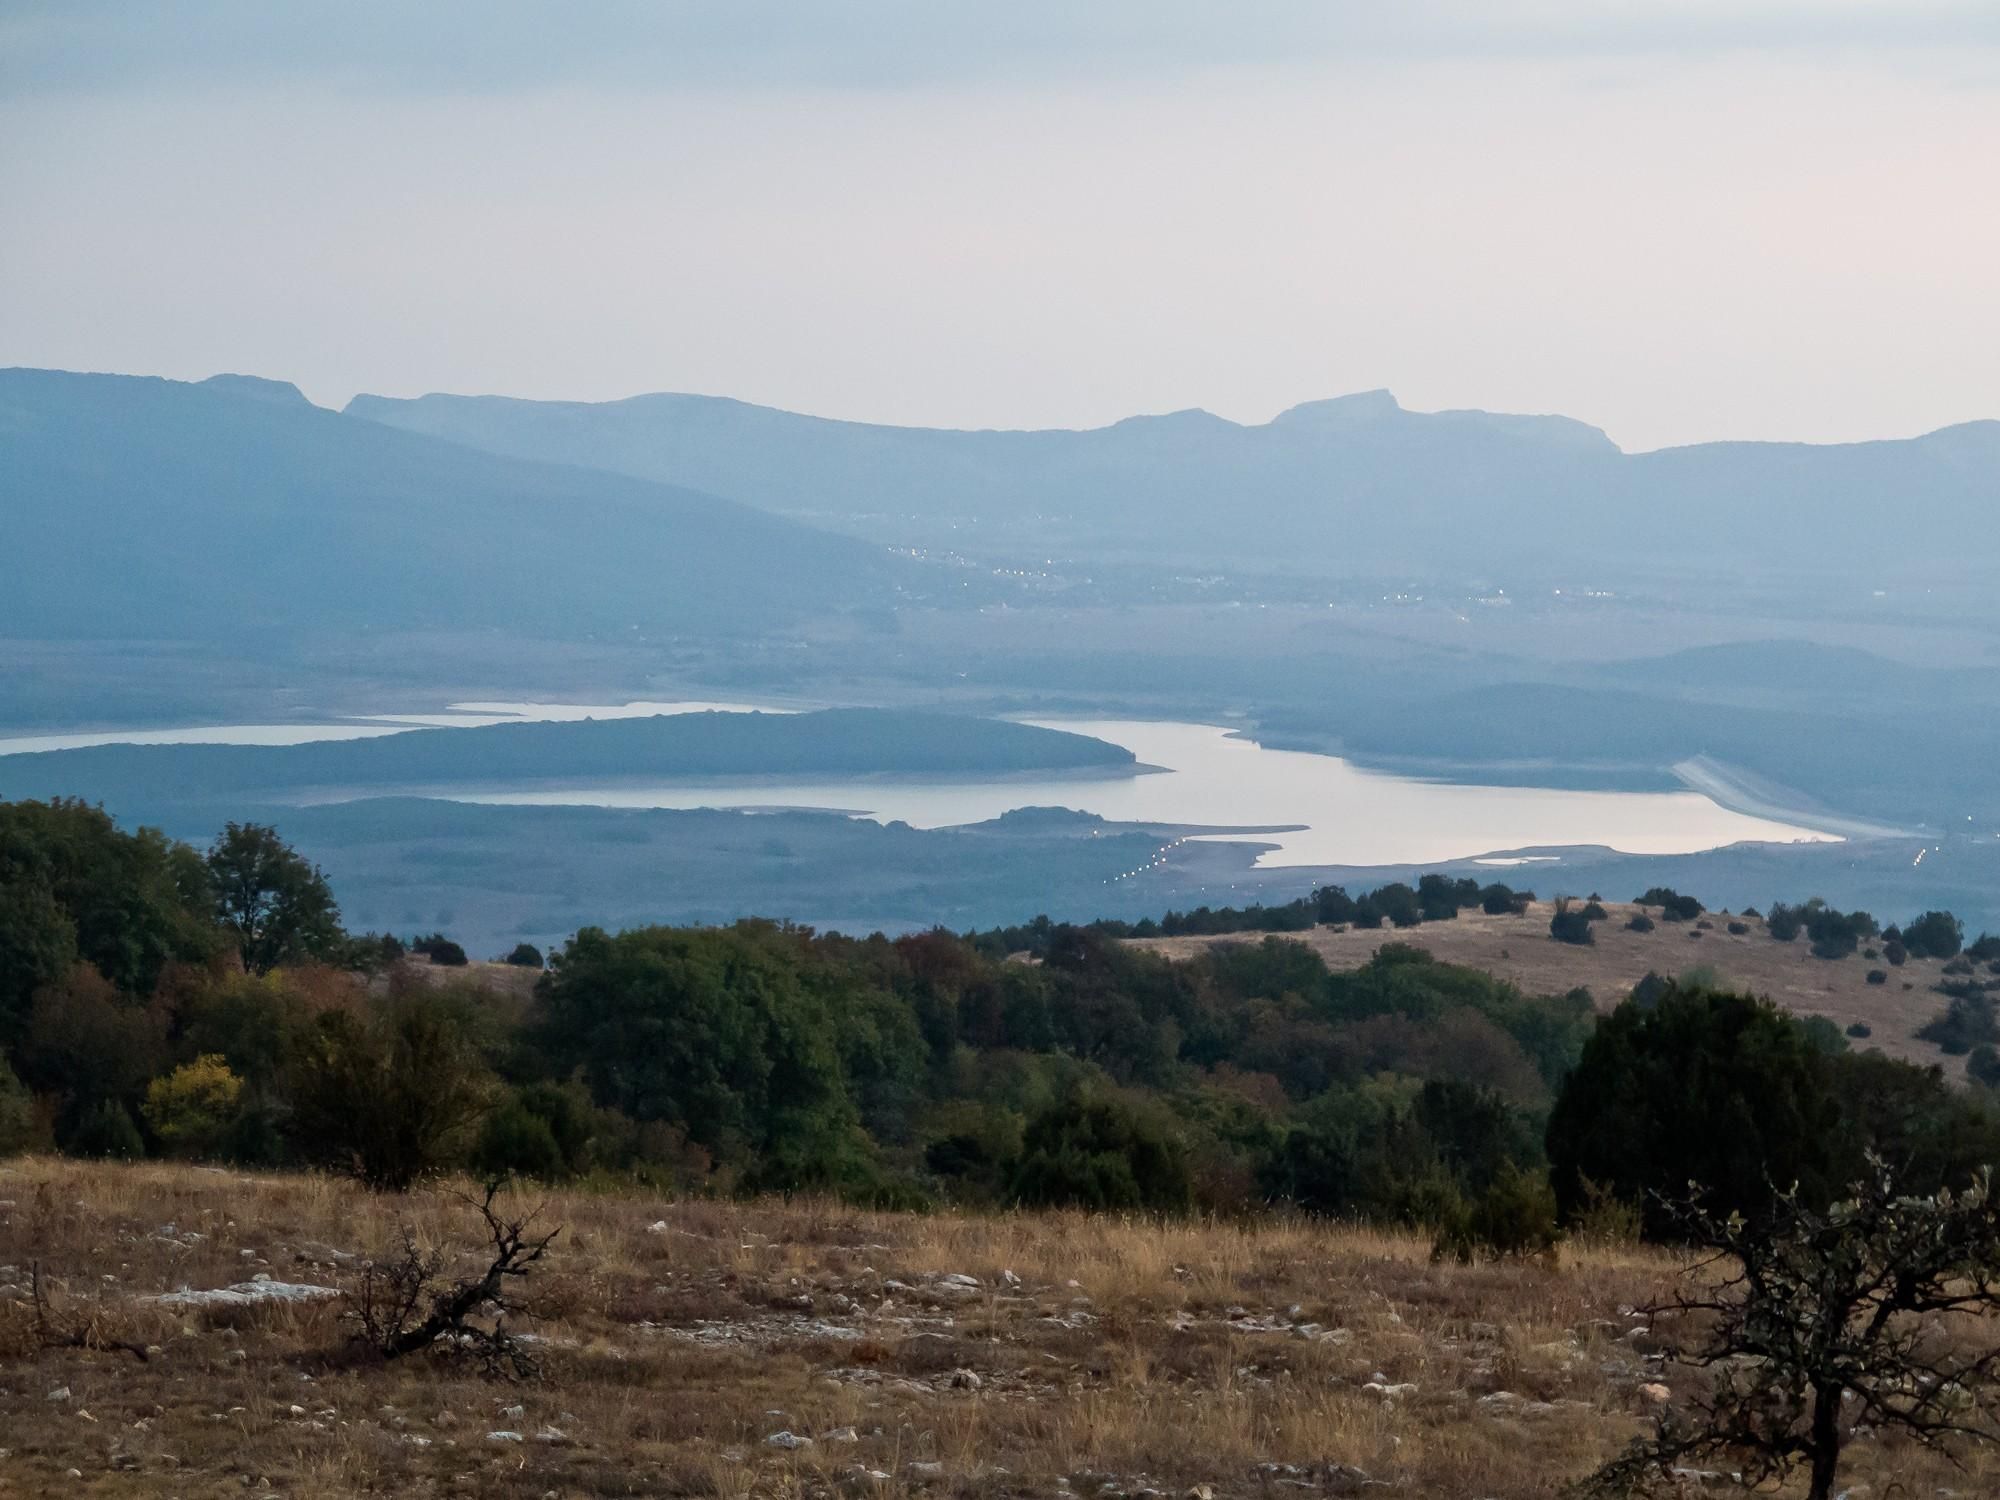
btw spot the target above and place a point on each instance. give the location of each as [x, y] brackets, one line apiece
[703, 1348]
[1519, 948]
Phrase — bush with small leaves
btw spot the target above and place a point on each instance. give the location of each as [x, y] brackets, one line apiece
[194, 1108]
[1571, 924]
[1738, 929]
[1673, 905]
[525, 956]
[1640, 923]
[106, 1131]
[1860, 1029]
[1896, 953]
[1878, 976]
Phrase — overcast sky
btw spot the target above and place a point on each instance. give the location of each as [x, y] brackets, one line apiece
[1678, 219]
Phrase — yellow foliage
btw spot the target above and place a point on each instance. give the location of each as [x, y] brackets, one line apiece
[192, 1106]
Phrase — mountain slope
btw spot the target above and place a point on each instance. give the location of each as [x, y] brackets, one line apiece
[1357, 484]
[235, 509]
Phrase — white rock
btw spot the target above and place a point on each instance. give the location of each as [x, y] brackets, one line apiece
[1656, 1392]
[1390, 1392]
[505, 1437]
[247, 1294]
[788, 1440]
[840, 1435]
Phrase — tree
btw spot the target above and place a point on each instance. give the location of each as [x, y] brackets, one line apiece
[391, 1097]
[1571, 924]
[1092, 1150]
[1936, 934]
[1807, 1309]
[1704, 1086]
[192, 1108]
[73, 887]
[526, 956]
[1673, 905]
[276, 905]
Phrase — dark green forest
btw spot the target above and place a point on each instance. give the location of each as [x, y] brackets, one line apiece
[160, 999]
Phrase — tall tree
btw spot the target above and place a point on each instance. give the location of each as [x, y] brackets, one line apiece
[275, 903]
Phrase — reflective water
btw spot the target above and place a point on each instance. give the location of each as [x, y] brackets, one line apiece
[1315, 809]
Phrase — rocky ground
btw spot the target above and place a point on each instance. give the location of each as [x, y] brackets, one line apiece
[701, 1348]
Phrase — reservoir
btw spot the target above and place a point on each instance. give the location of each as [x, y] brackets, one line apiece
[1309, 809]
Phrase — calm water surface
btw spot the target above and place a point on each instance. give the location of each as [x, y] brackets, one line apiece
[1317, 809]
[1314, 809]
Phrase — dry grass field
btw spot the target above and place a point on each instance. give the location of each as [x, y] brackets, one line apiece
[689, 1346]
[1520, 949]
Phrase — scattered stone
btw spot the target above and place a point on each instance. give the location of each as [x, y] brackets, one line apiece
[1390, 1391]
[964, 1380]
[840, 1435]
[60, 1393]
[504, 1436]
[1656, 1393]
[788, 1440]
[554, 1437]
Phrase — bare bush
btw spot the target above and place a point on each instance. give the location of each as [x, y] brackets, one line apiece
[1822, 1320]
[407, 1301]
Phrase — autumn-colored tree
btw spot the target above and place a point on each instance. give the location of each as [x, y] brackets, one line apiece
[192, 1108]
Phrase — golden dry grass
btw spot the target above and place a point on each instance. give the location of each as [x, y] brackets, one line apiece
[1093, 1355]
[1519, 948]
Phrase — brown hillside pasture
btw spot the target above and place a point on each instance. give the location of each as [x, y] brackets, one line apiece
[1519, 948]
[688, 1347]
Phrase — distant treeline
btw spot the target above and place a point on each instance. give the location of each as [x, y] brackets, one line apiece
[156, 999]
[1434, 898]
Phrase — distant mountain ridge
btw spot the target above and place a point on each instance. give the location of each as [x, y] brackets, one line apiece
[1353, 484]
[236, 509]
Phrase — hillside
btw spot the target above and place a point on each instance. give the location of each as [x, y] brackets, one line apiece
[968, 1355]
[1359, 482]
[1519, 948]
[236, 511]
[830, 742]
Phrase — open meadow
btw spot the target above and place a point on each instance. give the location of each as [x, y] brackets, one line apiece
[708, 1348]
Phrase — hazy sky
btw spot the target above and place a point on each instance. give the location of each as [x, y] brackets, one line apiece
[1679, 219]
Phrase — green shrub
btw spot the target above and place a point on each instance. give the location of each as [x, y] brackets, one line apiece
[1674, 907]
[1571, 924]
[1640, 923]
[106, 1131]
[1983, 1065]
[1738, 929]
[516, 1142]
[20, 1127]
[1515, 1216]
[1093, 1150]
[1860, 1029]
[1878, 976]
[526, 956]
